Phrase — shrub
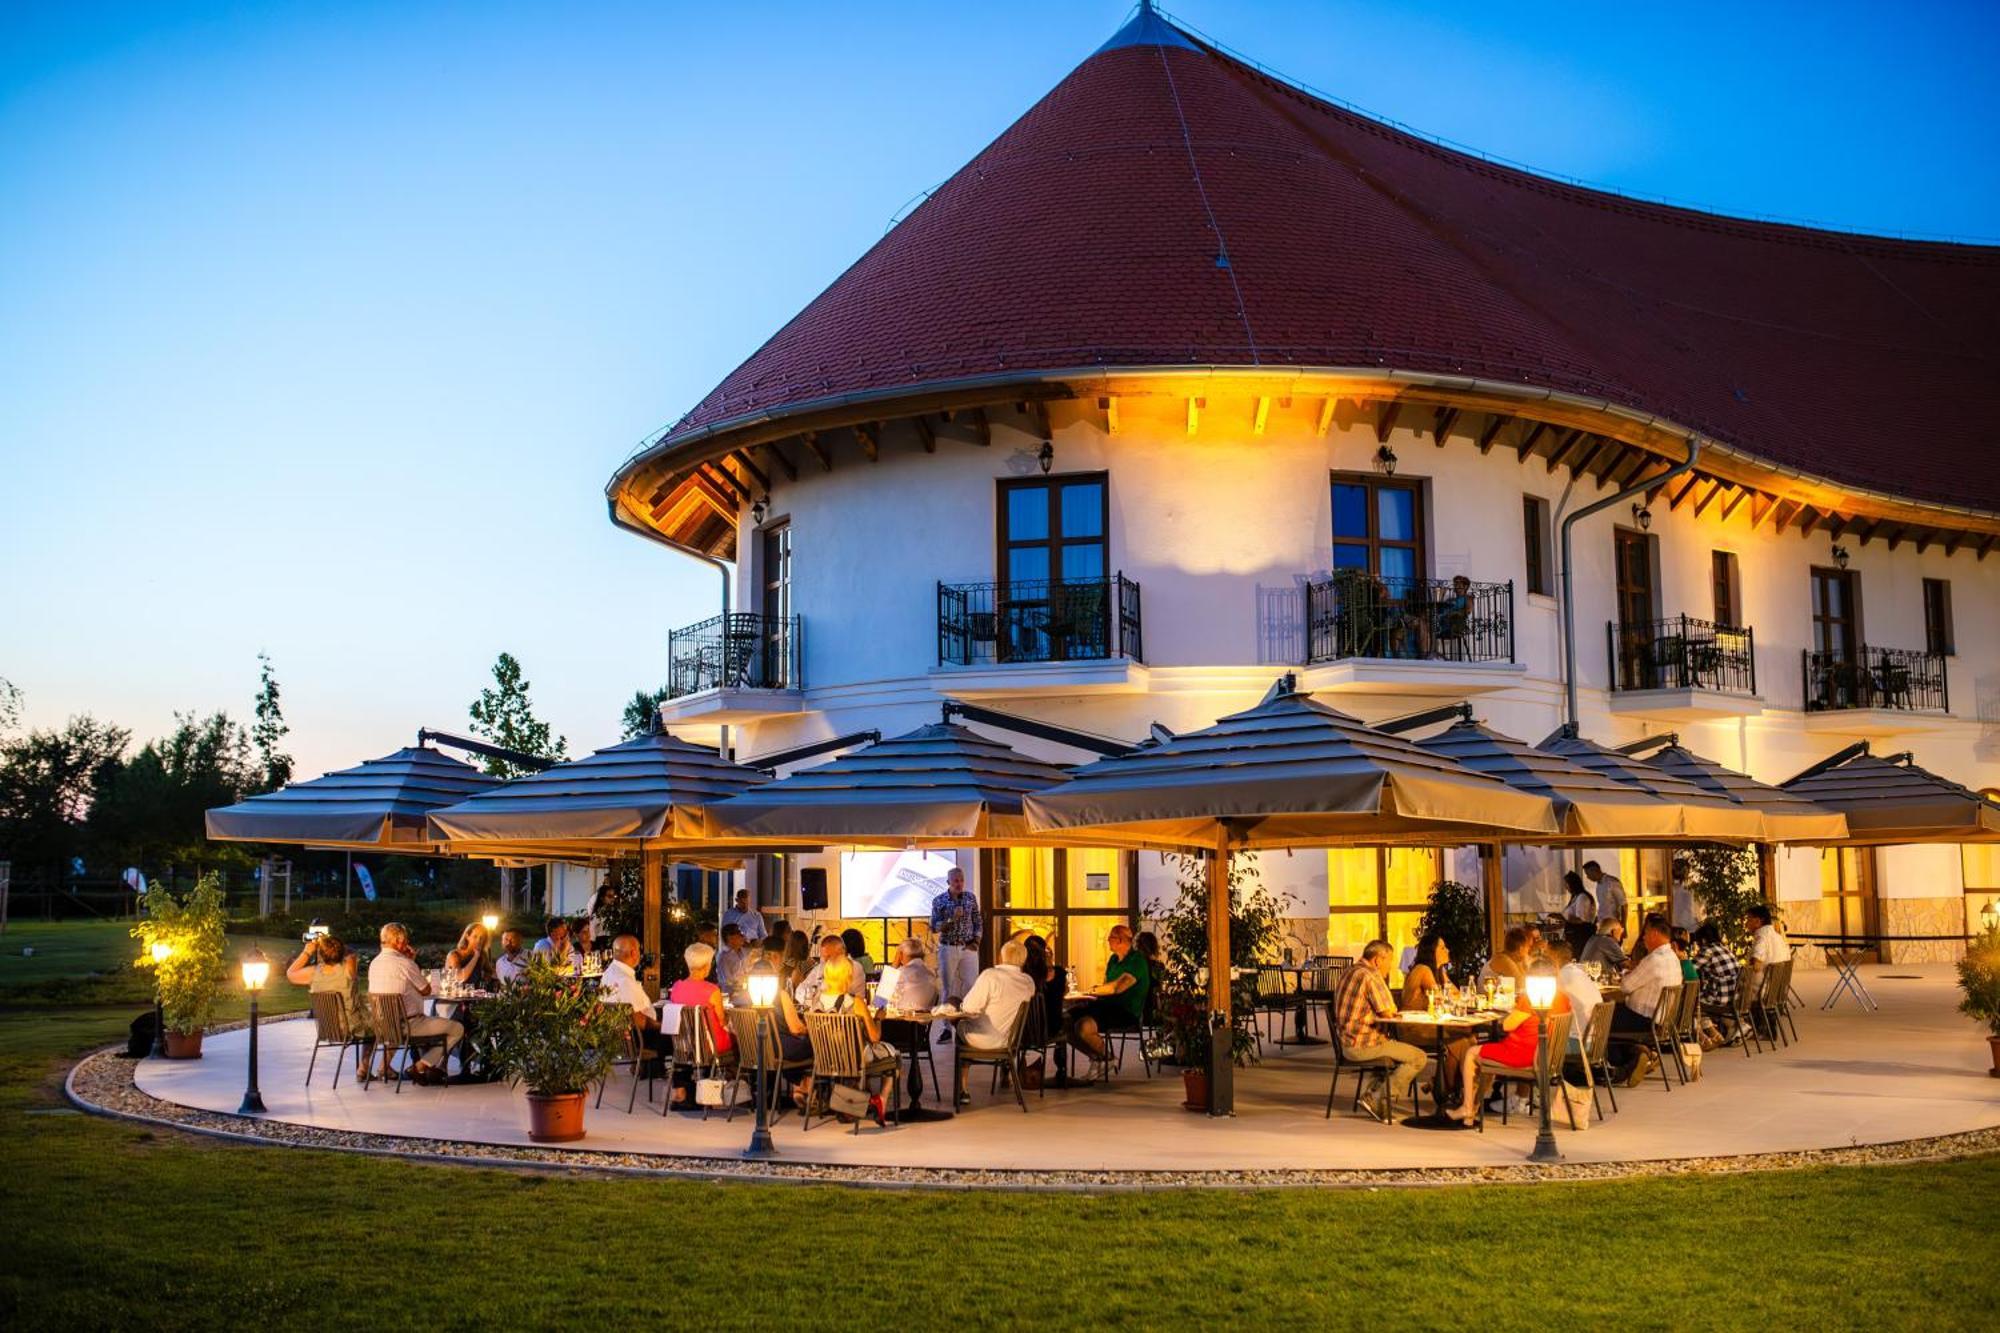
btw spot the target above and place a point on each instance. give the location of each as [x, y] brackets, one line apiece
[1724, 881]
[1979, 980]
[1256, 926]
[192, 930]
[550, 1031]
[1458, 913]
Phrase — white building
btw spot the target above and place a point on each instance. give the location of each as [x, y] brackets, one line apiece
[1087, 435]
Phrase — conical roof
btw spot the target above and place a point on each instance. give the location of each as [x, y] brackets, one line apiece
[939, 783]
[381, 802]
[1892, 800]
[1167, 205]
[617, 797]
[1705, 816]
[1591, 805]
[1289, 772]
[1788, 817]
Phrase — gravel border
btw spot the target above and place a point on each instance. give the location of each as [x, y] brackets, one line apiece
[103, 1083]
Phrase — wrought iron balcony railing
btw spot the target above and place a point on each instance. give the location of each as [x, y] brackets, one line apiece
[1039, 620]
[1900, 678]
[741, 650]
[1682, 653]
[1355, 614]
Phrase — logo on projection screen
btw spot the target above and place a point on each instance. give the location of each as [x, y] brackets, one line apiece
[891, 883]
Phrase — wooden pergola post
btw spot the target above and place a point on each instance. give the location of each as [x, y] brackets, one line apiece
[1221, 1063]
[649, 879]
[1494, 879]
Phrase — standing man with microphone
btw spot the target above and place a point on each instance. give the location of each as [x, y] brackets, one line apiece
[955, 927]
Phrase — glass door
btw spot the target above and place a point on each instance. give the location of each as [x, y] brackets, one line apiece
[1632, 558]
[1838, 680]
[1053, 602]
[1847, 889]
[776, 606]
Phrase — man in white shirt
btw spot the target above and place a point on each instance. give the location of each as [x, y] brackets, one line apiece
[1610, 891]
[830, 948]
[998, 996]
[1575, 983]
[916, 986]
[1632, 1019]
[732, 961]
[1767, 946]
[745, 918]
[620, 984]
[513, 960]
[1680, 900]
[395, 972]
[557, 947]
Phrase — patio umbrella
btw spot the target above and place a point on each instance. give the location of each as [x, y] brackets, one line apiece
[1705, 817]
[1592, 807]
[1788, 816]
[1889, 799]
[642, 795]
[379, 805]
[942, 784]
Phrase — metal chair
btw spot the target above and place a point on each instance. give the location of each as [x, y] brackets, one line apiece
[331, 1028]
[1551, 1052]
[1277, 999]
[635, 1059]
[1009, 1056]
[1660, 1038]
[1595, 1056]
[1378, 1067]
[1787, 998]
[1037, 1039]
[393, 1036]
[841, 1056]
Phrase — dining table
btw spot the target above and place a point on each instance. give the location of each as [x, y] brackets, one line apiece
[1440, 1028]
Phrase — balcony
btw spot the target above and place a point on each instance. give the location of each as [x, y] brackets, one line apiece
[1041, 636]
[733, 668]
[1365, 634]
[1681, 667]
[1874, 690]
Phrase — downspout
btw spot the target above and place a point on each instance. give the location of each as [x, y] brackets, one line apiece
[1568, 589]
[721, 567]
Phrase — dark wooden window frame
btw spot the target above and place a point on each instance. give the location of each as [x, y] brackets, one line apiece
[1052, 486]
[1850, 584]
[1536, 544]
[1419, 488]
[1725, 578]
[1939, 635]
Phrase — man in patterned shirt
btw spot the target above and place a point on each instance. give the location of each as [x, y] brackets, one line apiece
[1721, 979]
[955, 929]
[1361, 1004]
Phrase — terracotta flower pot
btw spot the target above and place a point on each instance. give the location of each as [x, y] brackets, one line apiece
[555, 1119]
[1195, 1083]
[183, 1045]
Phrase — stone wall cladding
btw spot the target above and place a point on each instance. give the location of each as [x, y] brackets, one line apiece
[1924, 916]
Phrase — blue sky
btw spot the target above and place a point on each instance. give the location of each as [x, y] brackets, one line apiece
[322, 326]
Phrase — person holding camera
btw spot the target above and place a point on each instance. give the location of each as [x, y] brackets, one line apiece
[325, 967]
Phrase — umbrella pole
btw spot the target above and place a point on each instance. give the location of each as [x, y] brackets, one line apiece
[649, 879]
[1221, 1059]
[347, 885]
[1496, 896]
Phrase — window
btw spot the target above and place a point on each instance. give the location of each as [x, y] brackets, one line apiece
[777, 558]
[1053, 529]
[1377, 893]
[1535, 533]
[1071, 896]
[1937, 617]
[1378, 526]
[1835, 614]
[1728, 594]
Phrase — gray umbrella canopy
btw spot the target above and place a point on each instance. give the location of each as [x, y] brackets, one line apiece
[641, 794]
[1705, 817]
[1892, 800]
[1788, 816]
[1290, 772]
[941, 783]
[381, 803]
[1591, 806]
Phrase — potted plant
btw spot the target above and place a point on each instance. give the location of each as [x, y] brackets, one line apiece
[1457, 912]
[1256, 928]
[1979, 979]
[183, 940]
[550, 1032]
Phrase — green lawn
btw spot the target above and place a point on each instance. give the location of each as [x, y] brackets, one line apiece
[109, 1225]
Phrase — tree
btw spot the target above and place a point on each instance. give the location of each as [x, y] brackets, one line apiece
[150, 810]
[640, 712]
[504, 716]
[10, 706]
[270, 729]
[1724, 881]
[1457, 912]
[49, 783]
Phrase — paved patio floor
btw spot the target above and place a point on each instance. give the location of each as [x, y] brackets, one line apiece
[1913, 1069]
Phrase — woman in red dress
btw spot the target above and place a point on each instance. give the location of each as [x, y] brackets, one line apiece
[1516, 1048]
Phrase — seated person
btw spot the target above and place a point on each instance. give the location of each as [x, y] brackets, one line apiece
[993, 1006]
[620, 984]
[1511, 963]
[837, 996]
[324, 966]
[470, 962]
[732, 964]
[1683, 946]
[1583, 994]
[1767, 946]
[1721, 979]
[799, 962]
[1538, 944]
[857, 951]
[1428, 975]
[513, 959]
[556, 946]
[395, 972]
[1362, 1007]
[1051, 985]
[1632, 1020]
[1607, 947]
[831, 947]
[1120, 1002]
[582, 937]
[916, 988]
[696, 989]
[1520, 1030]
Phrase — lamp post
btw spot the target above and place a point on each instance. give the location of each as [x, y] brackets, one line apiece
[256, 971]
[762, 983]
[1989, 915]
[1542, 998]
[491, 921]
[162, 951]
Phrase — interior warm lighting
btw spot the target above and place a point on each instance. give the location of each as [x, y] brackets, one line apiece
[1541, 987]
[256, 970]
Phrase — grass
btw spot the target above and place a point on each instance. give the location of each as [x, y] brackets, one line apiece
[114, 1226]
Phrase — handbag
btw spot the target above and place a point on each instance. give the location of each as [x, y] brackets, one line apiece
[711, 1092]
[844, 1100]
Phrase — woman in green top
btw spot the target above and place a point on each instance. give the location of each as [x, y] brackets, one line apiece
[1118, 1004]
[324, 966]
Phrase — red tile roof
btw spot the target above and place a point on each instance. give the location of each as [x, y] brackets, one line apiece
[1091, 233]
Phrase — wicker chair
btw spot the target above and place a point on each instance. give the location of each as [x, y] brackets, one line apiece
[331, 1028]
[393, 1036]
[1008, 1057]
[695, 1051]
[1553, 1050]
[841, 1055]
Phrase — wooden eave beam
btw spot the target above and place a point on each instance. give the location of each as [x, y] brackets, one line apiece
[1761, 506]
[1781, 514]
[1613, 461]
[1039, 409]
[926, 432]
[1682, 491]
[1986, 544]
[1807, 517]
[1445, 417]
[1621, 478]
[1709, 499]
[1529, 440]
[1924, 542]
[1953, 542]
[751, 469]
[810, 439]
[869, 435]
[1736, 499]
[1495, 423]
[718, 472]
[1325, 422]
[1385, 420]
[1109, 406]
[772, 451]
[1583, 460]
[1557, 454]
[702, 485]
[1866, 528]
[982, 428]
